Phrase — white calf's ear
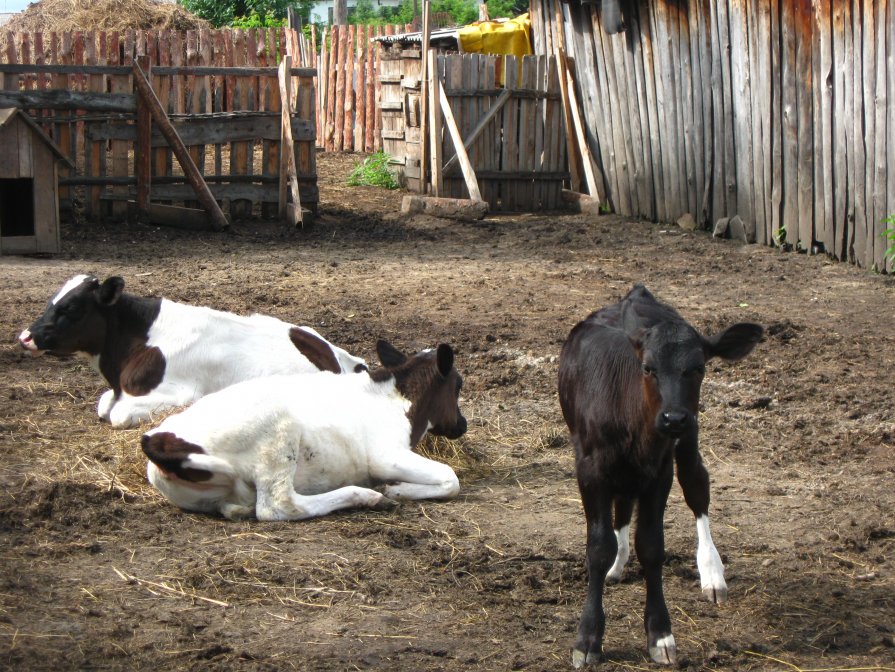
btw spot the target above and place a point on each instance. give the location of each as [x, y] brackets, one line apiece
[444, 359]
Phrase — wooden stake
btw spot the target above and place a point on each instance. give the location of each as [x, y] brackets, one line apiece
[143, 153]
[435, 132]
[288, 170]
[586, 159]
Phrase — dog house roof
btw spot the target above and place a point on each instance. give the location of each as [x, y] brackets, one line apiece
[7, 114]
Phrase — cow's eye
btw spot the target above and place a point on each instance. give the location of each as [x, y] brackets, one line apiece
[649, 370]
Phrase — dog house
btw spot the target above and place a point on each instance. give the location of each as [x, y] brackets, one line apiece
[29, 186]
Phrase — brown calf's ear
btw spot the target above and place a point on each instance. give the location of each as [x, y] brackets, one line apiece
[389, 355]
[444, 359]
[110, 291]
[735, 342]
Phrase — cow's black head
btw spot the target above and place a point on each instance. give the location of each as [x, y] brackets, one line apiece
[76, 317]
[432, 384]
[673, 356]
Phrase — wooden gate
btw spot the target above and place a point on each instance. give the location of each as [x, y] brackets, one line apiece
[508, 111]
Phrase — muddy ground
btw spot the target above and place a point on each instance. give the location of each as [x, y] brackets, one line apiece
[98, 572]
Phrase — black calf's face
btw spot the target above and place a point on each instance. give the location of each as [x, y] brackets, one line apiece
[73, 320]
[673, 361]
[673, 356]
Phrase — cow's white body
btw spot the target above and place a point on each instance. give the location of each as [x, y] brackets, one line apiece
[294, 447]
[207, 350]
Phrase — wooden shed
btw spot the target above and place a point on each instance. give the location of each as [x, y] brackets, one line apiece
[29, 197]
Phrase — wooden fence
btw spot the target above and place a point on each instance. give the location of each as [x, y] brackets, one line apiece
[349, 89]
[220, 89]
[519, 156]
[778, 111]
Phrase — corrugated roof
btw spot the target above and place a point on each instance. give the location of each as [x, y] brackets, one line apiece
[438, 34]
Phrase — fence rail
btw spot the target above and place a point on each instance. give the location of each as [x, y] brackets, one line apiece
[777, 111]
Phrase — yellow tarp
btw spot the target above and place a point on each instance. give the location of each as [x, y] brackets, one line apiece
[509, 38]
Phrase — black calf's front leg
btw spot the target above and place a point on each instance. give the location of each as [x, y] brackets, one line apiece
[649, 542]
[694, 480]
[601, 550]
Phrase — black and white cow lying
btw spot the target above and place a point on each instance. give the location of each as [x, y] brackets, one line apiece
[157, 354]
[295, 447]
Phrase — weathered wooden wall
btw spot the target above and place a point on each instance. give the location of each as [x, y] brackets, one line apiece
[79, 87]
[774, 110]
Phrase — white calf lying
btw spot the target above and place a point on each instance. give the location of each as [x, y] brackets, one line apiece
[294, 447]
[157, 354]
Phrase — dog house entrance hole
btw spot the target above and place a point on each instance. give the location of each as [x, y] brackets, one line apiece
[17, 207]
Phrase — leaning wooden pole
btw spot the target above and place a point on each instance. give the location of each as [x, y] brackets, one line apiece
[203, 193]
[288, 171]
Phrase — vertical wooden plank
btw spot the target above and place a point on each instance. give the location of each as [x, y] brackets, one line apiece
[805, 196]
[622, 157]
[863, 245]
[728, 134]
[761, 116]
[742, 111]
[685, 109]
[360, 116]
[825, 27]
[629, 117]
[330, 124]
[118, 84]
[840, 150]
[719, 193]
[370, 91]
[698, 93]
[885, 43]
[142, 149]
[164, 158]
[790, 126]
[652, 133]
[340, 90]
[348, 113]
[435, 123]
[640, 81]
[858, 233]
[219, 91]
[819, 79]
[884, 264]
[665, 107]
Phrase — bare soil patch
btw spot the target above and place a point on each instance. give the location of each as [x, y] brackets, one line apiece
[98, 571]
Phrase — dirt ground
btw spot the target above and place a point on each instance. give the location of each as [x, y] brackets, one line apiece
[97, 571]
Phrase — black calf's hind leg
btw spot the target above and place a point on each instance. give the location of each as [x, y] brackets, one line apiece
[624, 508]
[601, 549]
[694, 480]
[650, 544]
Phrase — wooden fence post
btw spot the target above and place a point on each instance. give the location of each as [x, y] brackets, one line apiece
[143, 149]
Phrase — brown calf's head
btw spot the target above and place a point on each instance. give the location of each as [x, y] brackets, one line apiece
[432, 384]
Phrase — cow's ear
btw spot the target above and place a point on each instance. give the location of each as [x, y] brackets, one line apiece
[110, 291]
[444, 359]
[735, 342]
[389, 355]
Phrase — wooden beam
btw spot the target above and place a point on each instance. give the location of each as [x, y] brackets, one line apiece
[477, 131]
[586, 159]
[218, 220]
[288, 171]
[571, 145]
[61, 99]
[472, 184]
[191, 219]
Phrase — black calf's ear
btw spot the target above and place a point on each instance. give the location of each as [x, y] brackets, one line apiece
[110, 291]
[444, 359]
[389, 355]
[735, 342]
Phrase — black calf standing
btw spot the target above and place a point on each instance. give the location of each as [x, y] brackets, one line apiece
[629, 383]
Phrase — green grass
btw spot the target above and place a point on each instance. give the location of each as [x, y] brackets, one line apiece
[373, 172]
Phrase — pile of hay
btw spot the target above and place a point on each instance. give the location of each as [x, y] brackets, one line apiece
[109, 15]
